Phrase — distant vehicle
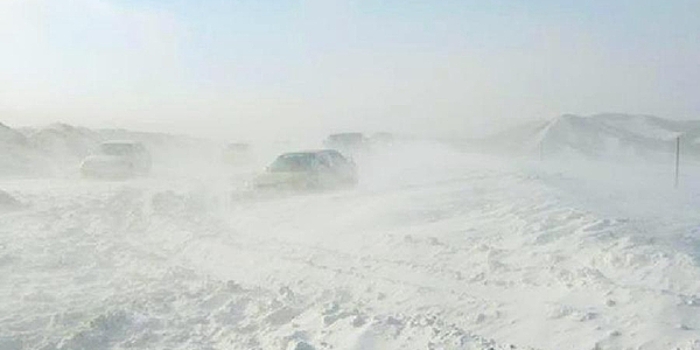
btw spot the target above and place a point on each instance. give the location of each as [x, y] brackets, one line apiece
[118, 159]
[382, 138]
[236, 153]
[348, 143]
[310, 170]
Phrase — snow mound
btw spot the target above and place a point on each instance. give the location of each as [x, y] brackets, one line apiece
[612, 135]
[601, 136]
[18, 157]
[64, 140]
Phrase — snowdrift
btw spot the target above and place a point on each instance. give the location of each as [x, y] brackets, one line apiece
[64, 141]
[601, 136]
[18, 156]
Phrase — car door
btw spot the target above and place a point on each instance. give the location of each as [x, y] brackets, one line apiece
[328, 170]
[344, 169]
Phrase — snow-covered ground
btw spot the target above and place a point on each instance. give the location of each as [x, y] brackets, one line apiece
[434, 250]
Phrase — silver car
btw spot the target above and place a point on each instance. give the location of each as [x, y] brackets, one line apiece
[309, 170]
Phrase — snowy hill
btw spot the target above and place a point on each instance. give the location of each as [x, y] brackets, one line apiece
[64, 140]
[18, 157]
[616, 136]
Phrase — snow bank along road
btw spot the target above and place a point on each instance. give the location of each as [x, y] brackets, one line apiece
[434, 250]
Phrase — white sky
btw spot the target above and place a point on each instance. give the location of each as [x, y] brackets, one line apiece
[246, 68]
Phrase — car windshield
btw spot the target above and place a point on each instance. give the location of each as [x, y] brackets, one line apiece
[335, 157]
[294, 162]
[117, 149]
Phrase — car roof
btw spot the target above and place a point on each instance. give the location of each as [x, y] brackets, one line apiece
[312, 152]
[121, 142]
[347, 134]
[331, 151]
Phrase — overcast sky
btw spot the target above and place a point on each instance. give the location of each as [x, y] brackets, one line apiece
[239, 68]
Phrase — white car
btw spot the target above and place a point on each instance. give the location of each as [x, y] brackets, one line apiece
[118, 159]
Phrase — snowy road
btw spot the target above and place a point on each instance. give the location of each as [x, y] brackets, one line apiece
[446, 251]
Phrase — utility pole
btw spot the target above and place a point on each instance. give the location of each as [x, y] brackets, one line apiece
[678, 159]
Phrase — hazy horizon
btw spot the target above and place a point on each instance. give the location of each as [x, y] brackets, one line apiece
[244, 69]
